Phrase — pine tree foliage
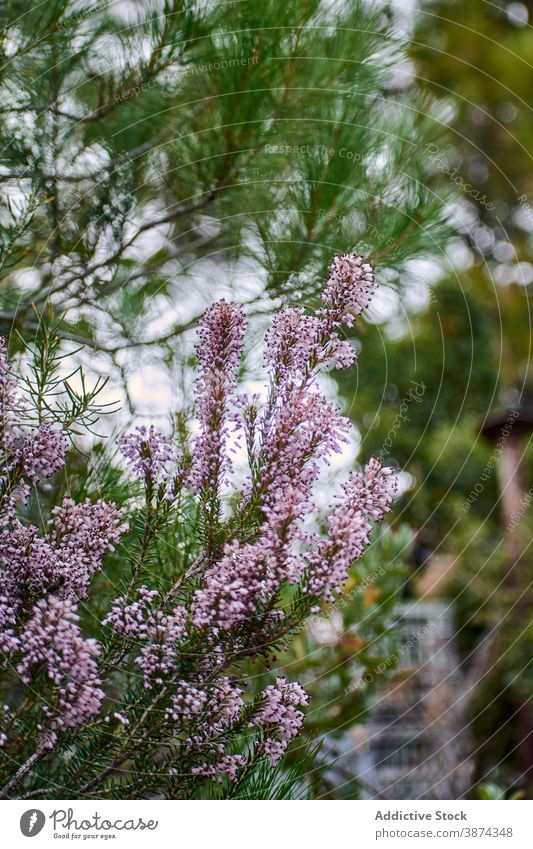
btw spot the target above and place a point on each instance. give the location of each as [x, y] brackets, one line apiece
[138, 140]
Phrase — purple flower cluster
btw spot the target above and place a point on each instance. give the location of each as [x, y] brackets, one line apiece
[130, 619]
[157, 632]
[279, 717]
[26, 454]
[220, 706]
[43, 452]
[349, 290]
[227, 765]
[43, 575]
[229, 591]
[297, 430]
[80, 535]
[291, 343]
[187, 701]
[215, 712]
[160, 656]
[149, 452]
[55, 571]
[297, 343]
[54, 643]
[64, 560]
[219, 352]
[366, 497]
[8, 638]
[250, 574]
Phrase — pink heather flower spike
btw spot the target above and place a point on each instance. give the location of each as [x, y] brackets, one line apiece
[214, 712]
[298, 429]
[224, 600]
[159, 657]
[63, 562]
[130, 619]
[157, 633]
[149, 453]
[52, 640]
[279, 717]
[251, 573]
[66, 559]
[349, 290]
[80, 536]
[367, 497]
[44, 451]
[292, 342]
[218, 351]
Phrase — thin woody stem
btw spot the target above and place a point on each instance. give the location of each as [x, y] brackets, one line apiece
[43, 749]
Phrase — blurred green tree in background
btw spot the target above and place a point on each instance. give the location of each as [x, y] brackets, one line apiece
[467, 346]
[139, 139]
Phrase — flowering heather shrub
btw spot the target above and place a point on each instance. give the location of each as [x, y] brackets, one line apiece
[153, 701]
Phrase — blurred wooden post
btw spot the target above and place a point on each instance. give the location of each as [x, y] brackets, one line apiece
[506, 429]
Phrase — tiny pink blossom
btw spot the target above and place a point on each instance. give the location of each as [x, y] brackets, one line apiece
[349, 289]
[149, 452]
[44, 451]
